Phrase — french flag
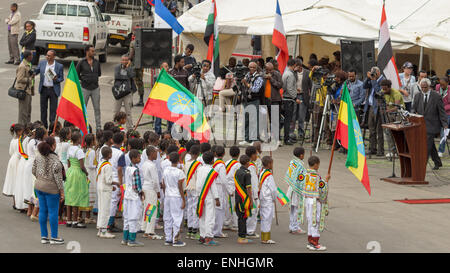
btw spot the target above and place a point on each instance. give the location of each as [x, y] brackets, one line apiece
[386, 61]
[279, 40]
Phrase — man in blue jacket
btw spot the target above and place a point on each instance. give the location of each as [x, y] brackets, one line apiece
[51, 75]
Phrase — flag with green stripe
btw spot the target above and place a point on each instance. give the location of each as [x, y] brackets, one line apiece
[212, 39]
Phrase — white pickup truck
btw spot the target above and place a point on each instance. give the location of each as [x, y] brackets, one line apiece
[125, 15]
[69, 26]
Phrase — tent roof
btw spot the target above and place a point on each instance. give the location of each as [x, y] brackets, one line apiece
[414, 22]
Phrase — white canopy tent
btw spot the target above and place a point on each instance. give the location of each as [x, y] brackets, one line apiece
[425, 23]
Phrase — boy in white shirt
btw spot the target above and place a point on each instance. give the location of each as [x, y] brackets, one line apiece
[207, 191]
[151, 192]
[132, 201]
[174, 202]
[267, 197]
[117, 174]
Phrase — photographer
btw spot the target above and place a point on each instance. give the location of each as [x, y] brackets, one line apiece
[24, 81]
[252, 85]
[408, 81]
[372, 83]
[123, 75]
[207, 80]
[189, 60]
[392, 98]
[289, 80]
[318, 75]
[272, 86]
[304, 85]
[355, 87]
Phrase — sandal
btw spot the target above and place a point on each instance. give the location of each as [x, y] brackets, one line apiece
[268, 242]
[223, 235]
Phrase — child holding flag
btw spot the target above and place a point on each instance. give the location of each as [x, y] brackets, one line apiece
[207, 190]
[151, 192]
[231, 166]
[315, 193]
[252, 220]
[243, 198]
[132, 201]
[220, 167]
[191, 168]
[294, 175]
[104, 188]
[267, 196]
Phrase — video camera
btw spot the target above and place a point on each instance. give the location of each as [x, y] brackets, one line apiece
[330, 79]
[197, 69]
[434, 81]
[318, 74]
[241, 71]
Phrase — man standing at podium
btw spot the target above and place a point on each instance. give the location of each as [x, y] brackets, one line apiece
[430, 105]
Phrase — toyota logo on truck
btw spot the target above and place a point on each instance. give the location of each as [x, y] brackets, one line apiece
[60, 34]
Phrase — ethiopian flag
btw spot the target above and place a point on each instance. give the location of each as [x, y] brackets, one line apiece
[71, 106]
[170, 100]
[349, 133]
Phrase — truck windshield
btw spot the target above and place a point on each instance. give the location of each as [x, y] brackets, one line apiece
[69, 10]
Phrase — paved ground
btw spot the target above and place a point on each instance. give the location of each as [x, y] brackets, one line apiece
[356, 223]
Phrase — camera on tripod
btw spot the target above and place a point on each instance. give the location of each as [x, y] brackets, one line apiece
[329, 80]
[319, 73]
[241, 71]
[434, 81]
[197, 70]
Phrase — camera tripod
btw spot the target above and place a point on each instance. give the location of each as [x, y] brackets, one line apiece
[197, 85]
[326, 108]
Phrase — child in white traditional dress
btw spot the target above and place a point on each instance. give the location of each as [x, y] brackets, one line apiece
[132, 201]
[293, 177]
[315, 191]
[174, 202]
[232, 166]
[28, 133]
[151, 191]
[16, 152]
[220, 167]
[267, 197]
[190, 169]
[104, 188]
[252, 220]
[28, 180]
[61, 149]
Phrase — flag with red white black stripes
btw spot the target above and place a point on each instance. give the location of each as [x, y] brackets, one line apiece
[212, 39]
[386, 60]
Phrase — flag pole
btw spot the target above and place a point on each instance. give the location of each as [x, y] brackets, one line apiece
[332, 152]
[139, 121]
[54, 125]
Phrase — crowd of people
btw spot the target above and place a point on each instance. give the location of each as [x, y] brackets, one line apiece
[155, 182]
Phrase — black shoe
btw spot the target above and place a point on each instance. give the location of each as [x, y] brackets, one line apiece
[289, 142]
[436, 168]
[78, 225]
[17, 63]
[140, 103]
[114, 230]
[9, 62]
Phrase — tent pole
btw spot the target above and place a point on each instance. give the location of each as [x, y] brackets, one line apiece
[421, 58]
[295, 47]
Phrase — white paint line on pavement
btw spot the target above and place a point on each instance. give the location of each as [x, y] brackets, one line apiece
[22, 3]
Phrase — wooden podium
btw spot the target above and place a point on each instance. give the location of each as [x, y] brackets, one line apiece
[410, 141]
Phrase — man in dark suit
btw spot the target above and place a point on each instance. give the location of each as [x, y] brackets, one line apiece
[51, 75]
[304, 85]
[430, 105]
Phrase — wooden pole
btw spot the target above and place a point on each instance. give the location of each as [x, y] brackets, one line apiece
[54, 125]
[332, 152]
[139, 121]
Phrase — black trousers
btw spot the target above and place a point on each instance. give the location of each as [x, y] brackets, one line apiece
[48, 94]
[431, 147]
[242, 222]
[288, 110]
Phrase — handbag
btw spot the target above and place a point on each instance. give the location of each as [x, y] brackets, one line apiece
[17, 93]
[119, 89]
